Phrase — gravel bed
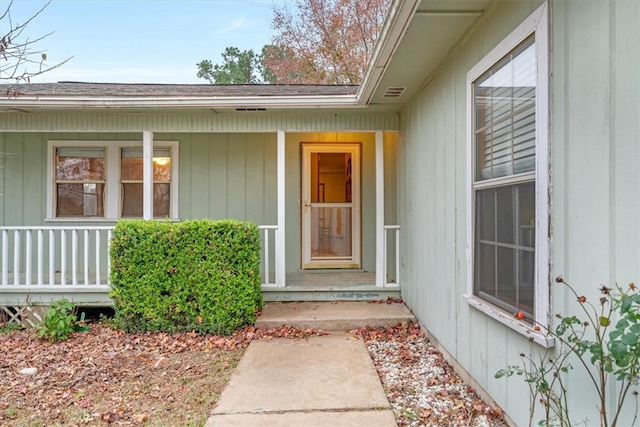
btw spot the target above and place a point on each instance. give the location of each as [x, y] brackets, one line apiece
[422, 388]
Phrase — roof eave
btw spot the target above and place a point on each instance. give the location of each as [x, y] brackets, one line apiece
[398, 19]
[275, 102]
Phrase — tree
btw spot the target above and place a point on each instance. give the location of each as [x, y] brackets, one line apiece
[319, 42]
[238, 67]
[21, 58]
[324, 41]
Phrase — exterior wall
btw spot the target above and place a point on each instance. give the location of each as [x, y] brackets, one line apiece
[196, 121]
[214, 170]
[292, 161]
[221, 175]
[595, 184]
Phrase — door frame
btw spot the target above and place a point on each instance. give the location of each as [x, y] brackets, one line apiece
[355, 149]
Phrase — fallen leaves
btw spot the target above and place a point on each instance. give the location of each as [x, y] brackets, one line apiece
[422, 388]
[106, 376]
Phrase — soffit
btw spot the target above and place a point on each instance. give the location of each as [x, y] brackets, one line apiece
[434, 29]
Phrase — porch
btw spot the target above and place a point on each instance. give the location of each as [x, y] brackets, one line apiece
[45, 263]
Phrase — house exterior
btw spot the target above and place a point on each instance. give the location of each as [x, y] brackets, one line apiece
[499, 139]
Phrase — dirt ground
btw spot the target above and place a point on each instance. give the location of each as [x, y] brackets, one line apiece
[105, 376]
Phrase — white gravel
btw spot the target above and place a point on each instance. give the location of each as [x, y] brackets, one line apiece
[421, 386]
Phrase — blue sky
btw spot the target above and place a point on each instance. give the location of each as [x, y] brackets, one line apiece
[142, 41]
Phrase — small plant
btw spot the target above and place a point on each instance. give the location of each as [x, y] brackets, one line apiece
[58, 322]
[8, 327]
[603, 348]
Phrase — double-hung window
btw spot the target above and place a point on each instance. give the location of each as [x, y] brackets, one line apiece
[508, 177]
[104, 180]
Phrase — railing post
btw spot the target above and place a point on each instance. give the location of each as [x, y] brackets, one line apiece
[40, 256]
[16, 257]
[86, 256]
[266, 278]
[27, 257]
[5, 257]
[74, 257]
[98, 279]
[52, 257]
[63, 257]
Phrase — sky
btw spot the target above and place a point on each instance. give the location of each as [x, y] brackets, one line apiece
[141, 41]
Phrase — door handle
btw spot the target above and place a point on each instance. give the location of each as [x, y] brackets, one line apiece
[306, 205]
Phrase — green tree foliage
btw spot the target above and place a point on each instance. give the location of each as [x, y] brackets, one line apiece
[316, 42]
[238, 67]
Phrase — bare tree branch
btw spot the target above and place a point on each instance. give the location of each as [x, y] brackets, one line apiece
[20, 58]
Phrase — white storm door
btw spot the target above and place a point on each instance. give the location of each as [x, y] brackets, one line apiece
[330, 206]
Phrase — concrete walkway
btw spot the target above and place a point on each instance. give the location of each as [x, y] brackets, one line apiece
[320, 381]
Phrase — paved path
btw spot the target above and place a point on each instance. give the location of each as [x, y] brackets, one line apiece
[320, 381]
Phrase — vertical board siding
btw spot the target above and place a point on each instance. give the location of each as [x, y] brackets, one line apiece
[92, 121]
[227, 176]
[595, 161]
[432, 210]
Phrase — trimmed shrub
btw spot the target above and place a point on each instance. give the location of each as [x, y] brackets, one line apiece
[198, 275]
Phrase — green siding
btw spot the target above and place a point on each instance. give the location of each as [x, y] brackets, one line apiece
[221, 175]
[196, 121]
[595, 161]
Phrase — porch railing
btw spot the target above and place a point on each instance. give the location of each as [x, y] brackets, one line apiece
[79, 255]
[392, 245]
[55, 256]
[68, 256]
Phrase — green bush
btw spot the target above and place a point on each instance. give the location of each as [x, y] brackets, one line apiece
[58, 322]
[198, 275]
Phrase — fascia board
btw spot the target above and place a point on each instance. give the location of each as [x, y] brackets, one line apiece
[398, 19]
[335, 101]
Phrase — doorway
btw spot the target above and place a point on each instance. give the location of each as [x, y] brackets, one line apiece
[330, 207]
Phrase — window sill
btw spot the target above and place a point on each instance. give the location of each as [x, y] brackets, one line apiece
[510, 321]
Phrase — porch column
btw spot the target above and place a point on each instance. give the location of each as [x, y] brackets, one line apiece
[280, 234]
[147, 174]
[381, 255]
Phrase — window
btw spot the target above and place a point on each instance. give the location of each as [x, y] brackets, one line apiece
[508, 177]
[104, 180]
[80, 182]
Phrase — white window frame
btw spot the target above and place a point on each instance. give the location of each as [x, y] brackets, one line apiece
[112, 172]
[536, 24]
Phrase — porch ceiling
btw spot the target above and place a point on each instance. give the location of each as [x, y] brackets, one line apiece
[433, 30]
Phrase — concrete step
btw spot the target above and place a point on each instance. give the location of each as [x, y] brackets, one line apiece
[329, 293]
[333, 316]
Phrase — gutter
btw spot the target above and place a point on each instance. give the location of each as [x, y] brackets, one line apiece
[52, 102]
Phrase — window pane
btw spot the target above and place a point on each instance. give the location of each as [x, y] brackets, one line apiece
[161, 199]
[504, 100]
[131, 168]
[331, 233]
[82, 164]
[80, 199]
[132, 200]
[331, 177]
[505, 246]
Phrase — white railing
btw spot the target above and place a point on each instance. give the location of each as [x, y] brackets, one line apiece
[267, 247]
[79, 255]
[73, 255]
[395, 230]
